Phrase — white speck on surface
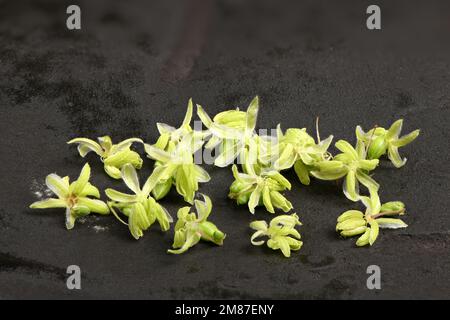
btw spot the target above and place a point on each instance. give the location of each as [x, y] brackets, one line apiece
[40, 190]
[100, 228]
[81, 220]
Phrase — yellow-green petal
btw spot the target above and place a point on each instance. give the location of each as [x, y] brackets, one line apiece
[48, 203]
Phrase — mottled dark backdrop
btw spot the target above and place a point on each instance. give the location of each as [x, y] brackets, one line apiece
[137, 62]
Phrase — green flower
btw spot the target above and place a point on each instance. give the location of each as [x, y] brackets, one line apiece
[297, 148]
[380, 140]
[73, 196]
[228, 132]
[351, 164]
[172, 134]
[140, 208]
[262, 188]
[354, 222]
[191, 228]
[177, 166]
[281, 232]
[114, 156]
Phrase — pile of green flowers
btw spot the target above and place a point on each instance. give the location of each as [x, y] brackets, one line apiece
[257, 164]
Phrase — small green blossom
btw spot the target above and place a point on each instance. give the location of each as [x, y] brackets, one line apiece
[297, 148]
[281, 233]
[354, 222]
[380, 140]
[191, 228]
[114, 156]
[73, 196]
[172, 134]
[351, 164]
[176, 166]
[228, 131]
[140, 208]
[260, 188]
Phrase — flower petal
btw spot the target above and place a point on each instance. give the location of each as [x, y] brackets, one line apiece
[120, 196]
[287, 158]
[204, 117]
[203, 207]
[192, 238]
[130, 177]
[367, 181]
[77, 186]
[350, 186]
[350, 214]
[157, 154]
[94, 205]
[394, 130]
[201, 174]
[90, 190]
[112, 171]
[188, 115]
[255, 235]
[394, 156]
[347, 148]
[302, 172]
[267, 200]
[125, 144]
[259, 225]
[364, 239]
[368, 165]
[390, 223]
[105, 142]
[57, 185]
[87, 145]
[228, 155]
[254, 199]
[407, 139]
[374, 229]
[70, 219]
[48, 203]
[252, 114]
[164, 128]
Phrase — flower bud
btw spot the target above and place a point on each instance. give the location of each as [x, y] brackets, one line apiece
[350, 214]
[162, 188]
[377, 147]
[80, 210]
[364, 239]
[351, 224]
[353, 232]
[210, 232]
[231, 118]
[243, 198]
[394, 206]
[279, 201]
[237, 186]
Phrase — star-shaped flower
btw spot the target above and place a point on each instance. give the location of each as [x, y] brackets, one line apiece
[191, 228]
[140, 208]
[260, 188]
[351, 164]
[114, 156]
[297, 148]
[354, 222]
[178, 165]
[281, 232]
[172, 134]
[73, 196]
[380, 140]
[229, 133]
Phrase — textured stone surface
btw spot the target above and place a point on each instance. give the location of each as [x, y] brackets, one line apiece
[137, 62]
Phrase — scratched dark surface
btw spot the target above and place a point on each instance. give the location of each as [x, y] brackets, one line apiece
[137, 62]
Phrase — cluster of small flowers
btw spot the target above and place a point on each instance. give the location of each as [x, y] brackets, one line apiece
[259, 182]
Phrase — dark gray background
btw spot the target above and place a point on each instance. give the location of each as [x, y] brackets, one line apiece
[137, 62]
